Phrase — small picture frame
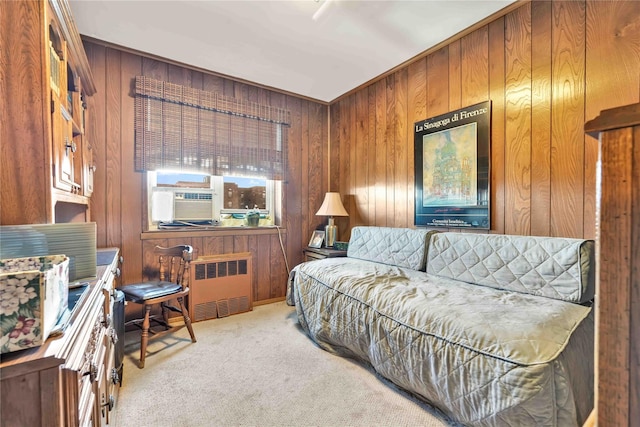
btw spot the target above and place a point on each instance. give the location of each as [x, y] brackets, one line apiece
[316, 239]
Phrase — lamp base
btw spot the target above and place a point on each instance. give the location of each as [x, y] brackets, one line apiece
[330, 234]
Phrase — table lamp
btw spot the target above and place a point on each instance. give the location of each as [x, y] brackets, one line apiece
[331, 206]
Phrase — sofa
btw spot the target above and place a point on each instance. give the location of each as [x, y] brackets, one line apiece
[490, 329]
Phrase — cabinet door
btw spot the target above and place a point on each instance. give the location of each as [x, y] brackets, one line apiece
[64, 147]
[88, 168]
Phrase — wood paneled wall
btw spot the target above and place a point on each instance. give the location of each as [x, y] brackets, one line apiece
[118, 205]
[546, 66]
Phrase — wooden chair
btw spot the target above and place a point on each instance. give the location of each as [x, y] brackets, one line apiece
[172, 284]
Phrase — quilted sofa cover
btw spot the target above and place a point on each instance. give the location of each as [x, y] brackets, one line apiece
[482, 355]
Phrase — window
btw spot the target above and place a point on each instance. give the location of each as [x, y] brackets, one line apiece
[178, 199]
[235, 151]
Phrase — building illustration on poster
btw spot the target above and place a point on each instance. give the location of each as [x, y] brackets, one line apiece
[452, 168]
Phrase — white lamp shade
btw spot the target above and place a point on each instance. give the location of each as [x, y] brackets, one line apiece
[332, 206]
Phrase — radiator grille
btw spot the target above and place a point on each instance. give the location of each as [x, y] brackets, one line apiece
[220, 286]
[211, 270]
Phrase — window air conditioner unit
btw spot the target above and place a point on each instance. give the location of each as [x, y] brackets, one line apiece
[183, 204]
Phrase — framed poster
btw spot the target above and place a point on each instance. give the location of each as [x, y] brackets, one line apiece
[452, 153]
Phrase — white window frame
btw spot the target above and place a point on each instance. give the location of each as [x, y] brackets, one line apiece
[273, 198]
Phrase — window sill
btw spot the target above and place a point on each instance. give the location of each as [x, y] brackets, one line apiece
[211, 231]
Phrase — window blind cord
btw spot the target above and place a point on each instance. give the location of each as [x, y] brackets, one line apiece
[284, 253]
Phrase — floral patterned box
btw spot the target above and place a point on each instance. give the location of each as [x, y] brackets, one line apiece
[33, 295]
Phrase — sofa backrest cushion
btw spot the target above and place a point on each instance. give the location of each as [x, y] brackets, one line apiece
[402, 247]
[554, 267]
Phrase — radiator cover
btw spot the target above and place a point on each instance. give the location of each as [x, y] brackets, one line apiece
[220, 285]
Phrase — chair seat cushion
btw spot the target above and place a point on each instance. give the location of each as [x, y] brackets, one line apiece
[141, 292]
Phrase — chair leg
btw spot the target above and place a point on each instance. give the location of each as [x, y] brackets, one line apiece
[145, 335]
[187, 319]
[165, 314]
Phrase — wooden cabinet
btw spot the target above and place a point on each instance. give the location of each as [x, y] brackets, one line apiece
[617, 299]
[45, 81]
[70, 380]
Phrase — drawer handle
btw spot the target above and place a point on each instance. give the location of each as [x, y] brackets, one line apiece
[70, 146]
[115, 378]
[107, 321]
[111, 402]
[92, 372]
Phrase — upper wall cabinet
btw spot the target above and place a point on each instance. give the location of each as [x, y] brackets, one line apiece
[46, 76]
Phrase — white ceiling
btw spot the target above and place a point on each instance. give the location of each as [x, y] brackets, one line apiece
[318, 49]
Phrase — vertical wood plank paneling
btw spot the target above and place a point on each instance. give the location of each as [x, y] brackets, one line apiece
[334, 144]
[401, 194]
[372, 155]
[316, 181]
[241, 91]
[228, 88]
[178, 75]
[474, 67]
[295, 189]
[417, 110]
[132, 213]
[113, 149]
[612, 64]
[326, 144]
[198, 244]
[567, 119]
[323, 136]
[455, 76]
[212, 246]
[347, 140]
[498, 140]
[278, 278]
[263, 255]
[252, 243]
[347, 193]
[240, 243]
[381, 156]
[358, 211]
[197, 80]
[227, 244]
[540, 118]
[212, 83]
[313, 177]
[518, 121]
[438, 82]
[97, 136]
[155, 69]
[390, 149]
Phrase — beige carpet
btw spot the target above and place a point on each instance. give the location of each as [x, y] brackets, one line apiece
[257, 369]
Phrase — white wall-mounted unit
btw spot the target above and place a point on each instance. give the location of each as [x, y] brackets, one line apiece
[220, 285]
[183, 204]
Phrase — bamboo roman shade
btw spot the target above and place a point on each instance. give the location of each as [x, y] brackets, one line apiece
[185, 129]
